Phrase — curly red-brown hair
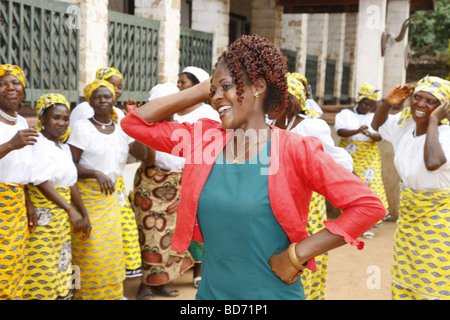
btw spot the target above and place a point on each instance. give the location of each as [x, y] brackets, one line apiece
[251, 57]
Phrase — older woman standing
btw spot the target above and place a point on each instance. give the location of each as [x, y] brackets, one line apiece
[15, 162]
[52, 192]
[299, 119]
[420, 136]
[100, 150]
[361, 141]
[129, 228]
[251, 213]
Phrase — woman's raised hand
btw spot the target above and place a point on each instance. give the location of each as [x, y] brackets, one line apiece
[399, 94]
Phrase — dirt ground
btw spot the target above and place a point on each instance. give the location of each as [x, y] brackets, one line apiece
[352, 274]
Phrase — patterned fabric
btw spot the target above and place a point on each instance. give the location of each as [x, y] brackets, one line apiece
[367, 165]
[100, 258]
[49, 100]
[106, 73]
[297, 89]
[421, 247]
[13, 237]
[130, 237]
[155, 198]
[367, 91]
[12, 70]
[314, 282]
[49, 270]
[196, 250]
[439, 88]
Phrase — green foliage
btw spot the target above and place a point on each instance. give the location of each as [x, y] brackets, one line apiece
[431, 27]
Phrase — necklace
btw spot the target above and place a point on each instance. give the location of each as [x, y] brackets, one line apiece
[235, 158]
[101, 123]
[8, 117]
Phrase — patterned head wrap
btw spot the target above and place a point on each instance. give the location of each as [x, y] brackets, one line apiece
[297, 89]
[439, 88]
[106, 73]
[367, 91]
[12, 70]
[47, 101]
[90, 88]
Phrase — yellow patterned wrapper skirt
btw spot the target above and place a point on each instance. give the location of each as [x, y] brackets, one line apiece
[98, 262]
[367, 165]
[421, 261]
[13, 237]
[314, 282]
[130, 236]
[49, 270]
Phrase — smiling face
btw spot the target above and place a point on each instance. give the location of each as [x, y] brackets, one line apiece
[55, 121]
[224, 99]
[422, 105]
[102, 101]
[12, 93]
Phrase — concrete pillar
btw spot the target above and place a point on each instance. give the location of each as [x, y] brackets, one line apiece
[350, 50]
[168, 13]
[212, 16]
[317, 46]
[294, 37]
[395, 56]
[266, 20]
[369, 62]
[335, 48]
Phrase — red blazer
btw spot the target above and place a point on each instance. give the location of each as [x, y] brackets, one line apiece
[298, 166]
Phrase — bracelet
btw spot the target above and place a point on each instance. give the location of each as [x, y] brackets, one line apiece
[293, 257]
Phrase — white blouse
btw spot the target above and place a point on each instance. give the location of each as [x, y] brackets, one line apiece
[170, 162]
[107, 153]
[15, 167]
[204, 111]
[319, 128]
[54, 163]
[85, 111]
[409, 154]
[351, 120]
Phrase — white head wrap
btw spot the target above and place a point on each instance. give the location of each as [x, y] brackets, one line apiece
[161, 90]
[200, 74]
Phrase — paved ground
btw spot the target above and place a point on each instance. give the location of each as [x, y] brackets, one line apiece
[352, 274]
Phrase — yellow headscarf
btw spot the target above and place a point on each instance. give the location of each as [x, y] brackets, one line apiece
[297, 89]
[13, 70]
[105, 73]
[47, 101]
[438, 87]
[90, 88]
[367, 91]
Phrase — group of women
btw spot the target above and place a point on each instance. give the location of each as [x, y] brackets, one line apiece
[257, 228]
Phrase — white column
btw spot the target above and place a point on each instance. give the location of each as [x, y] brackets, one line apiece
[395, 57]
[369, 63]
[317, 46]
[294, 37]
[336, 44]
[93, 39]
[350, 49]
[212, 16]
[266, 20]
[168, 13]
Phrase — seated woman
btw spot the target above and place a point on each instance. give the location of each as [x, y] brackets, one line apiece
[52, 192]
